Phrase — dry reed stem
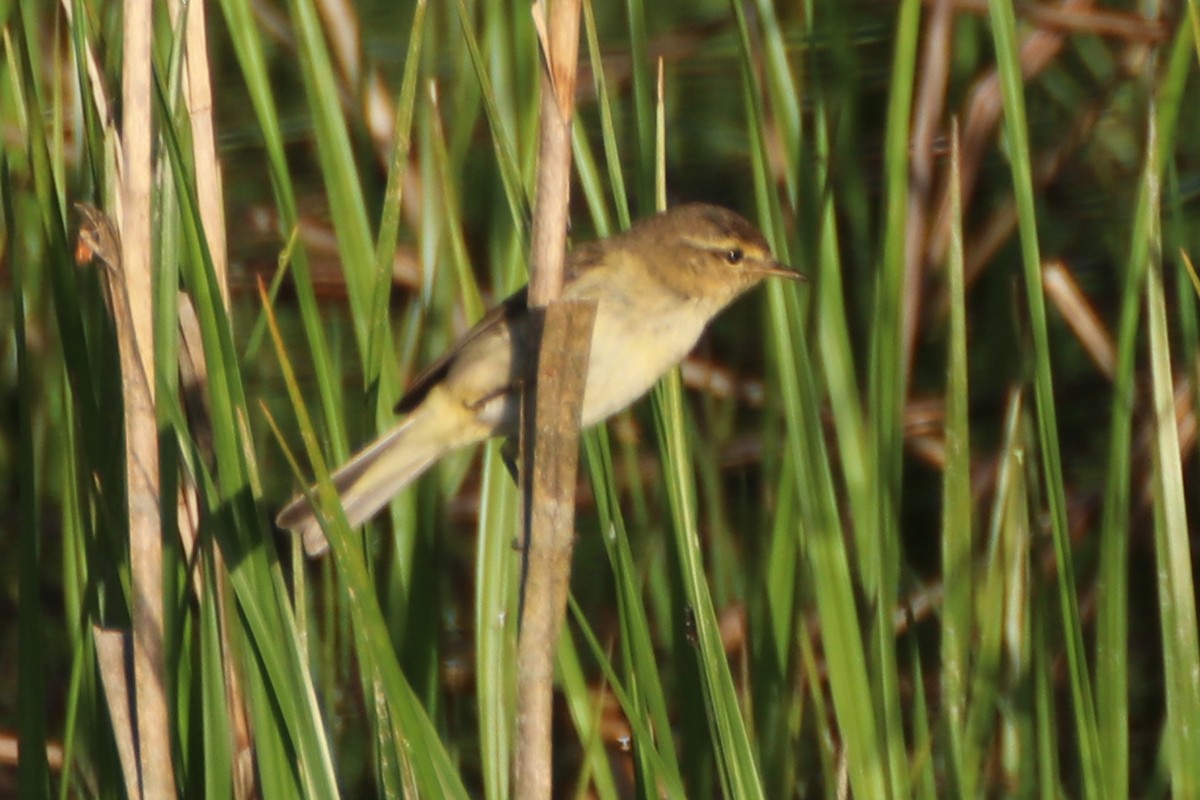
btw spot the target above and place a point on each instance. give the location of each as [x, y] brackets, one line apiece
[551, 411]
[133, 283]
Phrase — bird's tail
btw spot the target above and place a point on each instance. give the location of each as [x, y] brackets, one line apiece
[380, 470]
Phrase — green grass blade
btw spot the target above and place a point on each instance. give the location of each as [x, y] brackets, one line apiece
[647, 698]
[495, 623]
[415, 737]
[515, 190]
[1173, 552]
[389, 225]
[250, 52]
[597, 774]
[654, 768]
[1112, 641]
[643, 109]
[735, 754]
[957, 561]
[347, 206]
[33, 771]
[216, 738]
[887, 385]
[241, 529]
[612, 155]
[1017, 133]
[821, 541]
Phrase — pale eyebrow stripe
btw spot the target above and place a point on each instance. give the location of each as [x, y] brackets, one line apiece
[711, 246]
[751, 250]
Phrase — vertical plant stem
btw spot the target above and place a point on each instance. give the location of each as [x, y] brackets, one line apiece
[552, 410]
[211, 206]
[551, 462]
[559, 33]
[1083, 705]
[209, 186]
[956, 506]
[141, 426]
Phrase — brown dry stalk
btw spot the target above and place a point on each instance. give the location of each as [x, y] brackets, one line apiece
[551, 412]
[99, 239]
[551, 459]
[1100, 22]
[1037, 51]
[135, 335]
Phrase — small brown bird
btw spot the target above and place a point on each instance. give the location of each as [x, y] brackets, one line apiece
[656, 287]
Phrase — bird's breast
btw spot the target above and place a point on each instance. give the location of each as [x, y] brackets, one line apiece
[632, 347]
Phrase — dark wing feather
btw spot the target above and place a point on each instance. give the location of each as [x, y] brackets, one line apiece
[580, 259]
[508, 311]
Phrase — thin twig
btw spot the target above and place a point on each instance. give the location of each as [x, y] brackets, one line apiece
[1096, 21]
[1038, 50]
[931, 101]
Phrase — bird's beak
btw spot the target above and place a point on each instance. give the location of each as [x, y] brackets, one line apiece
[773, 269]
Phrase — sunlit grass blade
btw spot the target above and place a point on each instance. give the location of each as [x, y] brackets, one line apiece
[248, 47]
[782, 89]
[347, 206]
[216, 740]
[835, 353]
[587, 712]
[616, 177]
[240, 529]
[731, 743]
[823, 545]
[1017, 133]
[1011, 566]
[417, 746]
[658, 777]
[887, 388]
[957, 560]
[389, 225]
[81, 702]
[773, 610]
[821, 540]
[590, 181]
[1000, 611]
[496, 622]
[1112, 641]
[451, 220]
[647, 697]
[1172, 536]
[643, 108]
[515, 190]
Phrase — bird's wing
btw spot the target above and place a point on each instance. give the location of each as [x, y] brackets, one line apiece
[509, 313]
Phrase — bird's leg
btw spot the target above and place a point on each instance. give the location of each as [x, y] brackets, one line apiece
[510, 454]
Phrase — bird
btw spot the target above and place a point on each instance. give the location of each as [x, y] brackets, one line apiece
[656, 287]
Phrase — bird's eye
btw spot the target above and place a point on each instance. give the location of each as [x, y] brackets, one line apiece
[734, 255]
